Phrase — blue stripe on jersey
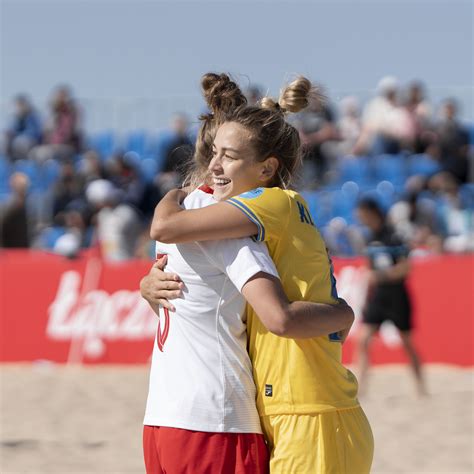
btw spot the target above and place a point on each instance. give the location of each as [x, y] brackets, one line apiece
[249, 213]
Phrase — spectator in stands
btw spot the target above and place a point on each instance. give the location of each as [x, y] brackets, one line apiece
[455, 220]
[349, 125]
[420, 114]
[14, 223]
[176, 152]
[62, 135]
[453, 142]
[90, 167]
[117, 225]
[318, 135]
[387, 127]
[388, 298]
[23, 131]
[254, 94]
[69, 188]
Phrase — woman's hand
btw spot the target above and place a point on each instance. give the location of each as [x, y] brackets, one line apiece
[158, 286]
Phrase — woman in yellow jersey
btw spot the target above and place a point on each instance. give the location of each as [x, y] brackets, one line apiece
[306, 399]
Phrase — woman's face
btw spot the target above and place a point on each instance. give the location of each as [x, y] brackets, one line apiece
[234, 168]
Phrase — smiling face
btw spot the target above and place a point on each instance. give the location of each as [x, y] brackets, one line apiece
[234, 167]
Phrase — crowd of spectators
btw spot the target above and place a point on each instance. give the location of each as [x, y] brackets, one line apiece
[64, 190]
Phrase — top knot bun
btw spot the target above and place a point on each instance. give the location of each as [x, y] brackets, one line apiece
[222, 95]
[294, 97]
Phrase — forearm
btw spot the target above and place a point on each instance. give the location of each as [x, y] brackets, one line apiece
[305, 319]
[164, 218]
[393, 274]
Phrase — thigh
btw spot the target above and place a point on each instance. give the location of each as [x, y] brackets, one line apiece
[339, 442]
[190, 452]
[150, 450]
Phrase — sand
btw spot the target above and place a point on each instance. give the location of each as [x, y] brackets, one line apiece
[57, 419]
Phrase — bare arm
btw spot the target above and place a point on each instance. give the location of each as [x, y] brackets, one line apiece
[300, 319]
[173, 224]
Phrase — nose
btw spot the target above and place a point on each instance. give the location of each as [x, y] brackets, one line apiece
[215, 164]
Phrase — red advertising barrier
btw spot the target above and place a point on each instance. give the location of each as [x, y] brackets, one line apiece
[90, 311]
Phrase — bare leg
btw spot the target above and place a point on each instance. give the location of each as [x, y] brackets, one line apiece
[414, 361]
[366, 333]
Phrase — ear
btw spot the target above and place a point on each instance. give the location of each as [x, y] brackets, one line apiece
[269, 169]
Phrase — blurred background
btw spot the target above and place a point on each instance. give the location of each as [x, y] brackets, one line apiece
[98, 115]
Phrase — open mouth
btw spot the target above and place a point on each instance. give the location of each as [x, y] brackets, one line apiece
[219, 182]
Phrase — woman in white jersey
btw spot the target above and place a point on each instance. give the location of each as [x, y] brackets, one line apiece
[306, 398]
[201, 415]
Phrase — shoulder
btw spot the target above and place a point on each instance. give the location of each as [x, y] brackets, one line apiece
[200, 197]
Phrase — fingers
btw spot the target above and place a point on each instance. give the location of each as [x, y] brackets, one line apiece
[166, 304]
[161, 262]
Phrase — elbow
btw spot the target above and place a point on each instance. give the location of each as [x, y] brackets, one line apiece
[280, 325]
[160, 231]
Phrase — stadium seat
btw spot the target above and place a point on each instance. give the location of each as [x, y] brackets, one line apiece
[345, 201]
[422, 164]
[390, 168]
[50, 235]
[5, 170]
[136, 141]
[467, 196]
[149, 169]
[320, 206]
[355, 169]
[103, 143]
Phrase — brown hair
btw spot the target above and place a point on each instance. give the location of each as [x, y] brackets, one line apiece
[271, 135]
[222, 96]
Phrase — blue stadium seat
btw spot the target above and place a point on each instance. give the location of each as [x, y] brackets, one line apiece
[466, 193]
[345, 201]
[355, 169]
[5, 171]
[422, 165]
[390, 168]
[50, 235]
[149, 169]
[136, 141]
[320, 206]
[104, 143]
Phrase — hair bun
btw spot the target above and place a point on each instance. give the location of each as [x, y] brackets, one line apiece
[272, 104]
[296, 95]
[222, 95]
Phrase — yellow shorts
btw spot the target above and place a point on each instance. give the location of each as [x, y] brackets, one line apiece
[336, 442]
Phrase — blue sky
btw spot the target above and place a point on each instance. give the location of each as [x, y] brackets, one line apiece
[156, 51]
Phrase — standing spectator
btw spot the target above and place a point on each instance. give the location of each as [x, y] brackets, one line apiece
[387, 127]
[318, 132]
[118, 225]
[14, 230]
[62, 135]
[388, 298]
[419, 111]
[453, 142]
[349, 124]
[176, 151]
[254, 94]
[24, 129]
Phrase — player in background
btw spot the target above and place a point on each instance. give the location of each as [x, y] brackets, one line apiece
[201, 414]
[387, 297]
[306, 398]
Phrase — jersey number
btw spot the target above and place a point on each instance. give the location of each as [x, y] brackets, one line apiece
[162, 334]
[163, 322]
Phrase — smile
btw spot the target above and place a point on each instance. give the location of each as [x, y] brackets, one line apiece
[221, 181]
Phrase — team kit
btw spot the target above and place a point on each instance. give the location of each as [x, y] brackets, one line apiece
[246, 373]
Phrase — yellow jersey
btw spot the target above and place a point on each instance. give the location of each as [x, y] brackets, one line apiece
[295, 376]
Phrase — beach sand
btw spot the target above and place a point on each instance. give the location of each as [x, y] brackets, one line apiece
[59, 419]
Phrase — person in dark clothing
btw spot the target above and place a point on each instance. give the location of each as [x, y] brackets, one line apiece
[387, 298]
[453, 142]
[14, 232]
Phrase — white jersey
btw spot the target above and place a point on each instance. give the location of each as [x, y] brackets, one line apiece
[201, 374]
